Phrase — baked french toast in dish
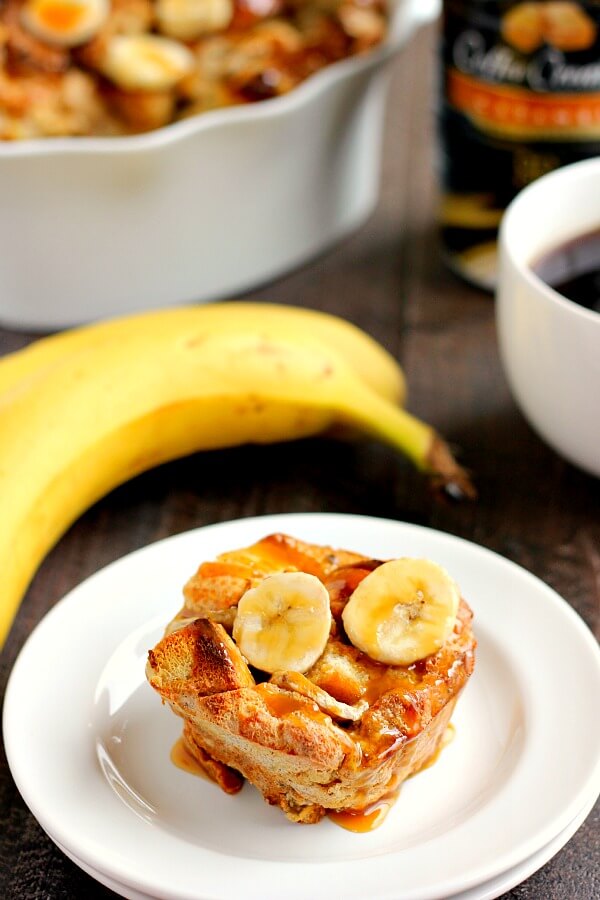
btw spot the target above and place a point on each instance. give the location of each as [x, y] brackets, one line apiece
[324, 677]
[99, 68]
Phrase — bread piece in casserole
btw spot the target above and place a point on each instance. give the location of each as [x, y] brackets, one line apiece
[336, 738]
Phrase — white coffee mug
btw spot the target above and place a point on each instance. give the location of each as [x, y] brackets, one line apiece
[550, 346]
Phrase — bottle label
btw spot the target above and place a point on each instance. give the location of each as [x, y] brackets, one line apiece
[521, 97]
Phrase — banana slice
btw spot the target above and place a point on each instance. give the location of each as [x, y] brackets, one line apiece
[283, 623]
[402, 611]
[294, 681]
[146, 62]
[188, 19]
[66, 23]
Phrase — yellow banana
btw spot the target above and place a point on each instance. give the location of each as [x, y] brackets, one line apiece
[110, 405]
[368, 358]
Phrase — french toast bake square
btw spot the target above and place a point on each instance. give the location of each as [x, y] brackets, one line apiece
[324, 677]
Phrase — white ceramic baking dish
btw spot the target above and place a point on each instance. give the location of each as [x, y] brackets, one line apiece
[201, 209]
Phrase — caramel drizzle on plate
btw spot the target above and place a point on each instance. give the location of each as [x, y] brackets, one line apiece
[375, 814]
[183, 759]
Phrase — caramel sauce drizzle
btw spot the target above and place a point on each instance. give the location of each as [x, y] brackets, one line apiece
[367, 819]
[282, 703]
[375, 814]
[60, 16]
[224, 570]
[272, 554]
[183, 759]
[447, 738]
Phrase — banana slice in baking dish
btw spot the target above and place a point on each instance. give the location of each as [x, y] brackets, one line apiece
[402, 611]
[66, 23]
[146, 62]
[188, 19]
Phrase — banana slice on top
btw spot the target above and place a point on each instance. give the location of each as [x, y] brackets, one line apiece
[403, 611]
[66, 23]
[284, 622]
[188, 19]
[146, 62]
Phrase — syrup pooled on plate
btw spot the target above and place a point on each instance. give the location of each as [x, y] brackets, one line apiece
[448, 737]
[573, 270]
[183, 759]
[368, 819]
[375, 814]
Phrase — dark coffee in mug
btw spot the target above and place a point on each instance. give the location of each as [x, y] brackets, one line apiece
[573, 270]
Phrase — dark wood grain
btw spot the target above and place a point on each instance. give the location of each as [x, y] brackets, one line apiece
[533, 508]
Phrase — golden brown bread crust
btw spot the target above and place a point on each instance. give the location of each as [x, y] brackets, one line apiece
[196, 660]
[299, 756]
[216, 588]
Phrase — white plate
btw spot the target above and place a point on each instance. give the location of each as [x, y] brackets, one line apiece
[88, 741]
[506, 881]
[488, 891]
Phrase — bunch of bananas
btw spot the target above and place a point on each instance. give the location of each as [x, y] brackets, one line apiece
[88, 409]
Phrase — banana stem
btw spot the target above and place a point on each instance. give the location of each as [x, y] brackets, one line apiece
[415, 439]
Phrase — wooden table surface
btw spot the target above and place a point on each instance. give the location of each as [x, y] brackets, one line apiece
[533, 508]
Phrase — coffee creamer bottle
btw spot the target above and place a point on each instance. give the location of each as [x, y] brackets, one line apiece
[521, 96]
